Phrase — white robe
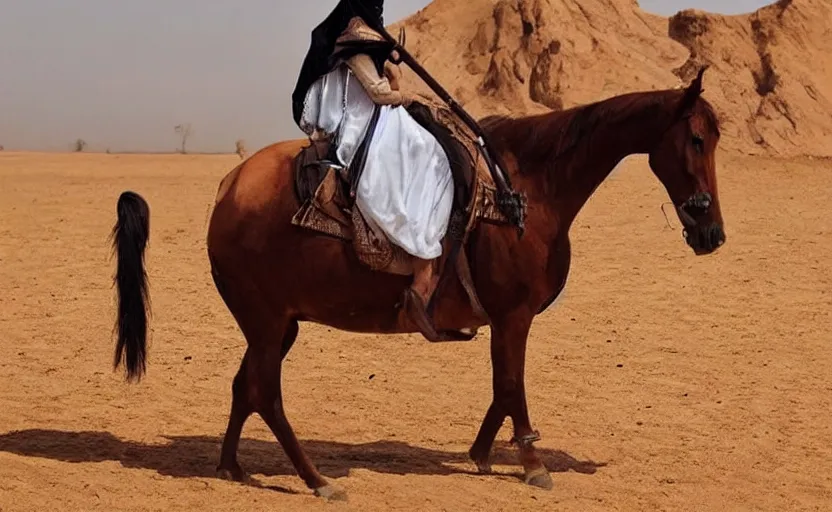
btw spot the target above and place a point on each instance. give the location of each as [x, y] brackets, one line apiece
[406, 187]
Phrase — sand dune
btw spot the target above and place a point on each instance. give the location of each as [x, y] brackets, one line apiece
[770, 74]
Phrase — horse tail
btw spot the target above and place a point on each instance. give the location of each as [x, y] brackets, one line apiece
[130, 235]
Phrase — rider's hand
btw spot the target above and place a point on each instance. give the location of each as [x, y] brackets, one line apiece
[393, 75]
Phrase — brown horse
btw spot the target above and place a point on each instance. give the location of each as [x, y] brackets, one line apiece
[272, 274]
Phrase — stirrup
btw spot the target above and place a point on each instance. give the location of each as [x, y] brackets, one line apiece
[418, 314]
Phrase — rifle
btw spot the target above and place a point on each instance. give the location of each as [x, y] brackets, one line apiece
[511, 203]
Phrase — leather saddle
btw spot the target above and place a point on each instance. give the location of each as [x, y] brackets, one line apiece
[327, 196]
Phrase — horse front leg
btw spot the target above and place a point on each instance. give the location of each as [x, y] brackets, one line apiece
[508, 360]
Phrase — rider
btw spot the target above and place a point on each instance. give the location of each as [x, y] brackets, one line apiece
[405, 186]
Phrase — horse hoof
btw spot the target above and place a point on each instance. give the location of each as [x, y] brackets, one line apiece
[331, 493]
[539, 478]
[484, 468]
[235, 475]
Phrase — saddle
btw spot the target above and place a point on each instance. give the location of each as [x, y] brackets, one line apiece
[327, 202]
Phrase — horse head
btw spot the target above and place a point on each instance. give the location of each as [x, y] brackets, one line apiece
[685, 163]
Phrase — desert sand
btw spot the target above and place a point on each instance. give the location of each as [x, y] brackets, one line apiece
[721, 400]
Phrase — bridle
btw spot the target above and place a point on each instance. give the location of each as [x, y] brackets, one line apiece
[697, 205]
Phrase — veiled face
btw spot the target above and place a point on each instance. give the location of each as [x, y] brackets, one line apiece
[365, 8]
[375, 6]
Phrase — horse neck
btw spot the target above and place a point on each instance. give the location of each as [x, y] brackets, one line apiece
[568, 154]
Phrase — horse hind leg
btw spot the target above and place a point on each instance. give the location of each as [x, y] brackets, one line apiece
[264, 388]
[258, 389]
[241, 406]
[270, 335]
[241, 409]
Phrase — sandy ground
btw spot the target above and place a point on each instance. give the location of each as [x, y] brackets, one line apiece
[660, 381]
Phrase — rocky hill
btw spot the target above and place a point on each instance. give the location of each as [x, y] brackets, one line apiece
[770, 75]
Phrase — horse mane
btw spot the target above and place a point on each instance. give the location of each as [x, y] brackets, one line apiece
[548, 136]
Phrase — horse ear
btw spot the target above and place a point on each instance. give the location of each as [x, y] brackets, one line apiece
[693, 91]
[697, 82]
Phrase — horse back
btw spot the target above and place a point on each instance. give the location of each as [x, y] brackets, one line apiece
[255, 198]
[263, 179]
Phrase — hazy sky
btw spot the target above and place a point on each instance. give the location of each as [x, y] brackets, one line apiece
[121, 74]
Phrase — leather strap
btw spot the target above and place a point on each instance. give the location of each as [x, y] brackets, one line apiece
[357, 166]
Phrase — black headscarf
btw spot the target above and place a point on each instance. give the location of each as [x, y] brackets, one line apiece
[322, 56]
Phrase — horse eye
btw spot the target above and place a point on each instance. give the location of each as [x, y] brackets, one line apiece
[698, 144]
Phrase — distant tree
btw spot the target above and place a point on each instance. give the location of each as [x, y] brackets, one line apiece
[184, 131]
[1, 147]
[80, 144]
[241, 149]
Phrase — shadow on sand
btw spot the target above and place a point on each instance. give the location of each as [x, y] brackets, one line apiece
[197, 456]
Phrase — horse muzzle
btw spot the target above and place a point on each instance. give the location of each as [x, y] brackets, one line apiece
[703, 235]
